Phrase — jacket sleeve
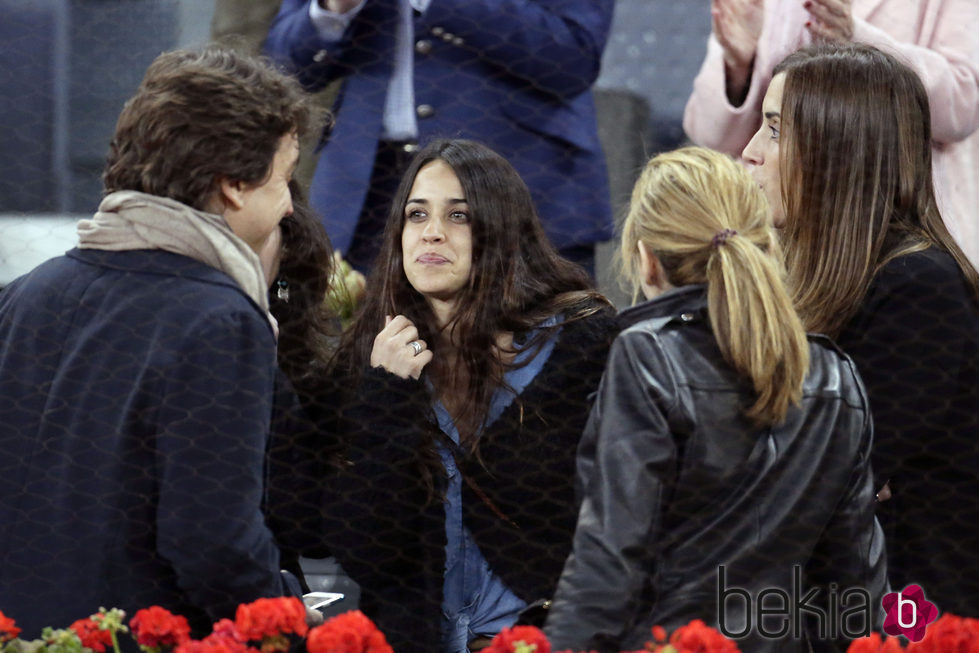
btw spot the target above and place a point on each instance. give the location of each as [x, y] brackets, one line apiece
[948, 64]
[553, 45]
[294, 43]
[379, 519]
[370, 491]
[851, 551]
[619, 521]
[211, 440]
[709, 118]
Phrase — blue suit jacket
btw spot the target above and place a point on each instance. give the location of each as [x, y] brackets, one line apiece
[512, 74]
[135, 400]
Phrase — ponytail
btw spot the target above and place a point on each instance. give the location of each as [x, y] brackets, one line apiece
[755, 326]
[707, 222]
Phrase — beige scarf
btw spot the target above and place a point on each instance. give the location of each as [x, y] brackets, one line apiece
[128, 220]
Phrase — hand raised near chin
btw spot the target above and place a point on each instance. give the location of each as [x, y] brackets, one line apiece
[398, 349]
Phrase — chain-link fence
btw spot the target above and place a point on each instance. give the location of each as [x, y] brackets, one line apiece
[66, 68]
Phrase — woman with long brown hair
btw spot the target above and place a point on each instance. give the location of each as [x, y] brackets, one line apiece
[299, 265]
[844, 156]
[469, 370]
[725, 448]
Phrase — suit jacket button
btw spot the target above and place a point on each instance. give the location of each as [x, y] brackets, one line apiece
[448, 36]
[423, 47]
[438, 31]
[457, 41]
[320, 56]
[425, 111]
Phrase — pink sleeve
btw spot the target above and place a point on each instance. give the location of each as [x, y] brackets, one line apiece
[946, 56]
[709, 119]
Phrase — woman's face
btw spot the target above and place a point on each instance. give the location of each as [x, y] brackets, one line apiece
[436, 241]
[762, 152]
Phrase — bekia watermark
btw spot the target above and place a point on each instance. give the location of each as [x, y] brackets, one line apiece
[908, 613]
[774, 612]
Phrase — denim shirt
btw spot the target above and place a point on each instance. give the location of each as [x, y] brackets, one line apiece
[475, 601]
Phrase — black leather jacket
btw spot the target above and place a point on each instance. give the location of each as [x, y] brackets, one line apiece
[676, 483]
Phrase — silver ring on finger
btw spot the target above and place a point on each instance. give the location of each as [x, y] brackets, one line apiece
[416, 346]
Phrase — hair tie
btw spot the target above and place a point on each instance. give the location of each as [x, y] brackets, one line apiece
[720, 238]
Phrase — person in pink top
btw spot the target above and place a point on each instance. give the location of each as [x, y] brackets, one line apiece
[937, 38]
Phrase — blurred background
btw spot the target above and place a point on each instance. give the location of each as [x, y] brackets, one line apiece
[67, 67]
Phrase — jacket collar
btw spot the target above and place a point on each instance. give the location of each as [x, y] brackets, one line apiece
[684, 303]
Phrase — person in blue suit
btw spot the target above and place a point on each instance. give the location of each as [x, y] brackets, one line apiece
[515, 76]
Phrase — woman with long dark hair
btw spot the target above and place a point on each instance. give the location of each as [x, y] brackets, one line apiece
[299, 264]
[469, 370]
[844, 156]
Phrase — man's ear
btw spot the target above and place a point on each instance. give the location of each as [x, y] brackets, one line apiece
[231, 193]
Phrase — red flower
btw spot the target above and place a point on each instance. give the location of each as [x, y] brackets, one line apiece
[659, 634]
[156, 627]
[91, 635]
[698, 637]
[8, 629]
[225, 634]
[507, 639]
[271, 618]
[950, 634]
[874, 643]
[204, 646]
[228, 631]
[869, 644]
[892, 645]
[350, 632]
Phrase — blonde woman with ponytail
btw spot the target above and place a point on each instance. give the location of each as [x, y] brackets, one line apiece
[726, 448]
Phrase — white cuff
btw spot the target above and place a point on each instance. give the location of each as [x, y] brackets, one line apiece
[329, 24]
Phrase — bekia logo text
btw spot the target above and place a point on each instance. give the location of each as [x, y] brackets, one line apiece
[774, 613]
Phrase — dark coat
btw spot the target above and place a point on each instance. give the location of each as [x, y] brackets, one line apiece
[136, 397]
[676, 483]
[387, 530]
[915, 341]
[515, 76]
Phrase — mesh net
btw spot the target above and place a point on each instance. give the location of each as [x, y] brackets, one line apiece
[152, 453]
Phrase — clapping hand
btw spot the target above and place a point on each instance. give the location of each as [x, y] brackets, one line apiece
[832, 20]
[737, 26]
